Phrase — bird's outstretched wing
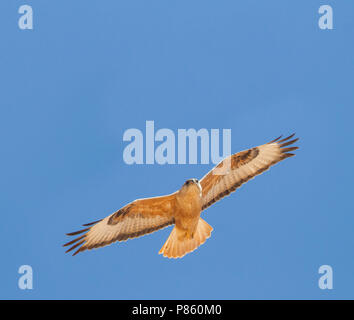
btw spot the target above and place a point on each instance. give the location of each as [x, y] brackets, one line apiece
[240, 167]
[136, 219]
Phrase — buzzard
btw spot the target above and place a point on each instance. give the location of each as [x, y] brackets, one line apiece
[183, 207]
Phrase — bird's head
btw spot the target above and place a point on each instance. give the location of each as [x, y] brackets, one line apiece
[192, 184]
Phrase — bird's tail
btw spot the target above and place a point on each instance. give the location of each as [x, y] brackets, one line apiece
[175, 247]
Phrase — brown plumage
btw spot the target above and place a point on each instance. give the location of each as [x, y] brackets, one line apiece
[182, 208]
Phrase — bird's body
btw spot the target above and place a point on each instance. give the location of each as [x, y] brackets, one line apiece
[190, 230]
[183, 207]
[188, 208]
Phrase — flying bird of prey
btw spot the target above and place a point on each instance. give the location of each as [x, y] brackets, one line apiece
[183, 207]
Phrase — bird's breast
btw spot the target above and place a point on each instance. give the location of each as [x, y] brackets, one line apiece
[188, 210]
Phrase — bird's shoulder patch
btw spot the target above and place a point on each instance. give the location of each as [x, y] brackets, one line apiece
[243, 157]
[120, 214]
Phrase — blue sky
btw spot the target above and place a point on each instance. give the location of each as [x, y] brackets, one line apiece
[88, 71]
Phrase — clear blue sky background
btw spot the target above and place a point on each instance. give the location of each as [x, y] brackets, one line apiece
[90, 70]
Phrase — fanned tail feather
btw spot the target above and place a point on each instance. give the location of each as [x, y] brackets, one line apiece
[176, 248]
